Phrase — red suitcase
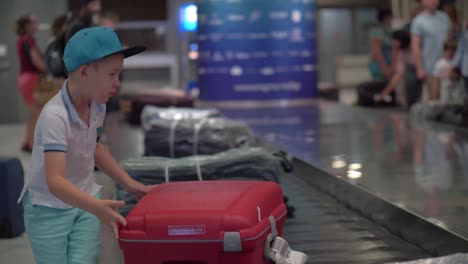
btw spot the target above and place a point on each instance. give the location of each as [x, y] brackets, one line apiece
[204, 223]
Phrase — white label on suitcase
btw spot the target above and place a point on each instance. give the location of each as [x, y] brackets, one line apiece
[186, 230]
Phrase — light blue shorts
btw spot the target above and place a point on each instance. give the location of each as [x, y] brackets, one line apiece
[65, 236]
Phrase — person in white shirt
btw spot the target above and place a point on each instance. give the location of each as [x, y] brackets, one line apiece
[62, 205]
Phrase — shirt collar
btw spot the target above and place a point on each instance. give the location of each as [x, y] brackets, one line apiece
[98, 106]
[71, 109]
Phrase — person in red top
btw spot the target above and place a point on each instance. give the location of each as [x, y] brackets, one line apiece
[31, 67]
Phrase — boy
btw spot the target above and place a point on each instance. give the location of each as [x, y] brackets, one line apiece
[450, 86]
[61, 200]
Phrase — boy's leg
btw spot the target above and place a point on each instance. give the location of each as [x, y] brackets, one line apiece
[84, 241]
[47, 229]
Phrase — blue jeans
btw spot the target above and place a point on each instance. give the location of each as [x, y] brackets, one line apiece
[69, 236]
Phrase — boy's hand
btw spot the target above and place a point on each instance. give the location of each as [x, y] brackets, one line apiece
[107, 213]
[138, 189]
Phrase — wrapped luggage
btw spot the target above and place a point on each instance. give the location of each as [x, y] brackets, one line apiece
[132, 104]
[237, 164]
[151, 113]
[185, 137]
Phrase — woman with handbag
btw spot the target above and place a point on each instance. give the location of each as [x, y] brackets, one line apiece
[31, 67]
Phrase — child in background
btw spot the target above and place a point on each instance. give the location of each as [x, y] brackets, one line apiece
[449, 83]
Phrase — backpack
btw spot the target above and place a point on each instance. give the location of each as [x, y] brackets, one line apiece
[54, 57]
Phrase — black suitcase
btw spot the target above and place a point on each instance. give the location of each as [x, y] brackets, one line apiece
[11, 184]
[367, 90]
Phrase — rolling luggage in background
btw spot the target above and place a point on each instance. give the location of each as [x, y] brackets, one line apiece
[11, 184]
[187, 137]
[237, 164]
[207, 222]
[368, 90]
[328, 91]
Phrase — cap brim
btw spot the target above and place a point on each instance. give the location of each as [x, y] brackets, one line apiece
[128, 52]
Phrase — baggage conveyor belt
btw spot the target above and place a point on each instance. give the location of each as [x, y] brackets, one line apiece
[331, 231]
[328, 232]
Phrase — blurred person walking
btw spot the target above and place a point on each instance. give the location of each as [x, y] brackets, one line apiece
[88, 16]
[429, 32]
[31, 66]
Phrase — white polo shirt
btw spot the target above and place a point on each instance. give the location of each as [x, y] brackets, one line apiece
[59, 128]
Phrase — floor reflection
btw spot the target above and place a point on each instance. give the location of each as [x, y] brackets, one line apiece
[291, 128]
[422, 167]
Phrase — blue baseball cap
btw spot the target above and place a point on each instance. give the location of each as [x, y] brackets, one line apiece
[94, 43]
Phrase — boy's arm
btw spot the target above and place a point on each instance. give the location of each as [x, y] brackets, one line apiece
[105, 162]
[59, 186]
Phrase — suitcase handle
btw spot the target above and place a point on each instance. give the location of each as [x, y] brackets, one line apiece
[273, 234]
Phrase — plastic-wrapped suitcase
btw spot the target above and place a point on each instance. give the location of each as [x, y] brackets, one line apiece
[132, 105]
[205, 222]
[11, 184]
[328, 91]
[237, 164]
[152, 113]
[187, 137]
